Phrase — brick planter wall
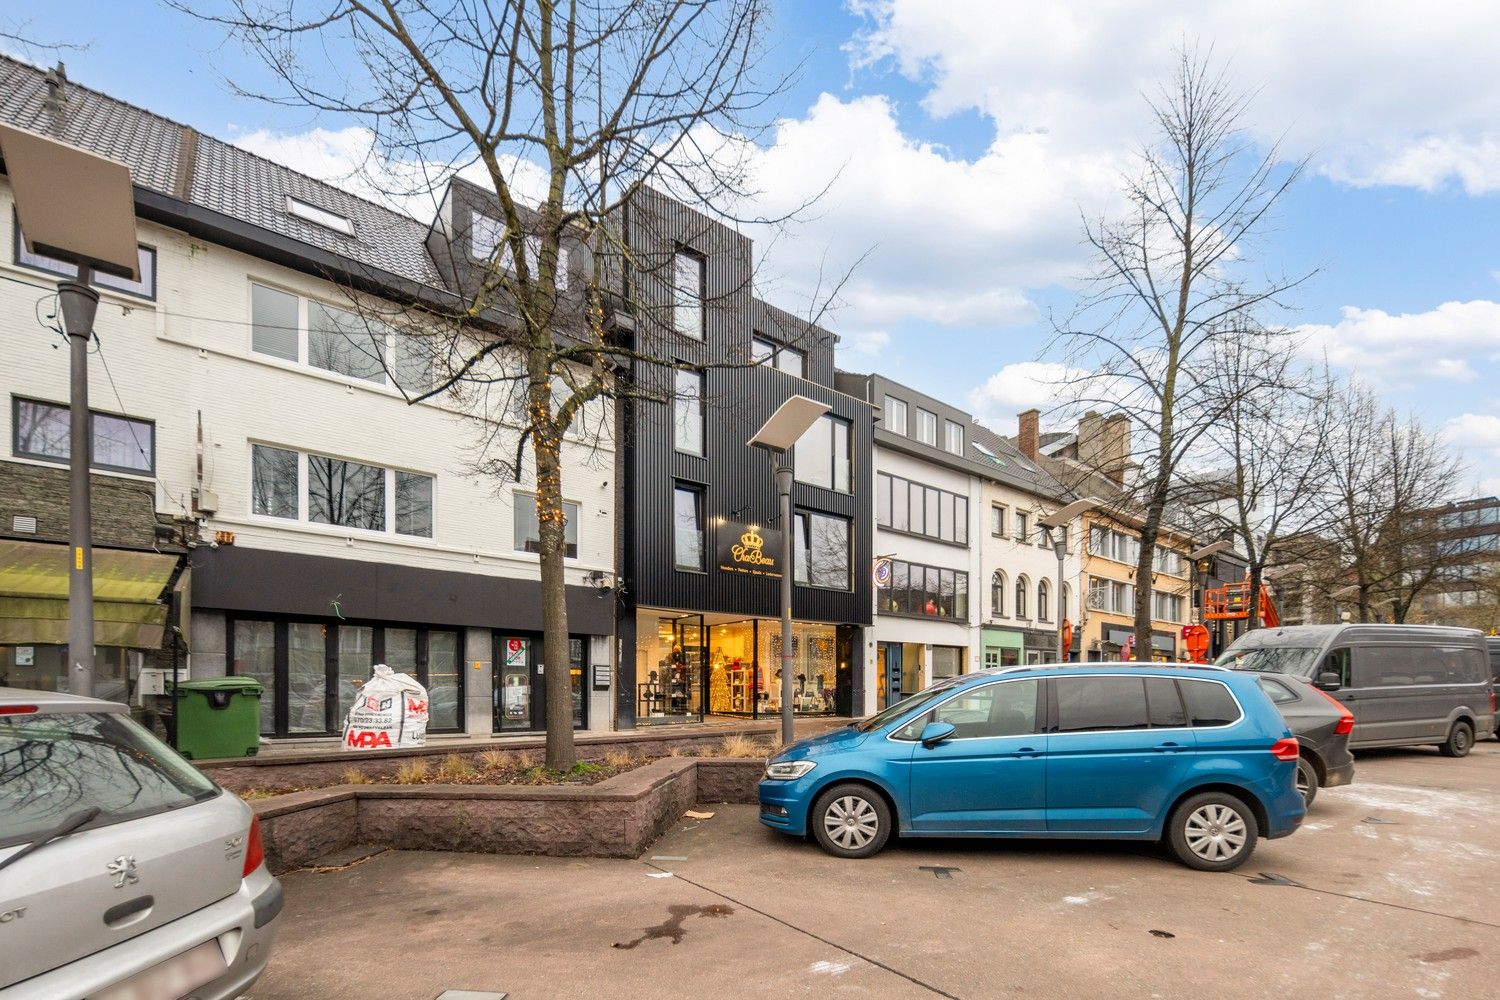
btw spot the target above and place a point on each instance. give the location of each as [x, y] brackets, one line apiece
[327, 767]
[617, 818]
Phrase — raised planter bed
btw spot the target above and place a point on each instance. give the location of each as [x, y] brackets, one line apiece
[617, 818]
[316, 768]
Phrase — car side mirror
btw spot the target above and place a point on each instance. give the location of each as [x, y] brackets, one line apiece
[1328, 681]
[936, 732]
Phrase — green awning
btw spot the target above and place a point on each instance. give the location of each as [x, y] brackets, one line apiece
[129, 590]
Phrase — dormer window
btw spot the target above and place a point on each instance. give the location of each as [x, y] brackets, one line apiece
[320, 216]
[487, 237]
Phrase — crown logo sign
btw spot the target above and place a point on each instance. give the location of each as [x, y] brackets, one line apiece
[751, 539]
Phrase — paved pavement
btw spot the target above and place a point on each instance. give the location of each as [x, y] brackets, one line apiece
[1397, 881]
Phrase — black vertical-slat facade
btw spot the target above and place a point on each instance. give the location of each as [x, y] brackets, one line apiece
[738, 481]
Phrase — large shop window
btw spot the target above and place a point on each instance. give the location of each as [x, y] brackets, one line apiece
[687, 412]
[41, 430]
[687, 527]
[822, 551]
[312, 670]
[528, 529]
[339, 492]
[822, 455]
[903, 505]
[292, 328]
[145, 264]
[688, 306]
[928, 591]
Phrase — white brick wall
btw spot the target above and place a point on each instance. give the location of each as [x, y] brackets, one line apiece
[189, 353]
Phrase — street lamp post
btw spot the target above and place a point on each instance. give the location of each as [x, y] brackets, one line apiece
[79, 207]
[1056, 526]
[778, 436]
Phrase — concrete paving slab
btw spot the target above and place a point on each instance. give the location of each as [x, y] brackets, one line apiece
[1400, 909]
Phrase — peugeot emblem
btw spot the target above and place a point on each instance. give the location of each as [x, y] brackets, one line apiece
[123, 869]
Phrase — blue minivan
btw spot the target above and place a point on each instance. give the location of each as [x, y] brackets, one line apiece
[1197, 756]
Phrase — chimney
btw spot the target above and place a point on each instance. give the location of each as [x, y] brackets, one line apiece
[1117, 447]
[1091, 441]
[1029, 435]
[57, 82]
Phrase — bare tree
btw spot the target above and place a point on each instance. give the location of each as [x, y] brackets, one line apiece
[1172, 283]
[1381, 476]
[564, 110]
[1265, 457]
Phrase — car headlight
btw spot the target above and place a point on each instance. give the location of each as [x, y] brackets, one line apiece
[788, 770]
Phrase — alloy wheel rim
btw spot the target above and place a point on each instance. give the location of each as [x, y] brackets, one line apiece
[851, 822]
[1216, 832]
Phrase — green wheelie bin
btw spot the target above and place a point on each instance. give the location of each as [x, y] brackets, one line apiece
[218, 717]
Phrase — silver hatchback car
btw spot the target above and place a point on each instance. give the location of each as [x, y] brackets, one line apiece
[125, 874]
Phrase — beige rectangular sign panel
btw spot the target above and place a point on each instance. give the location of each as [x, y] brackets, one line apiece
[72, 204]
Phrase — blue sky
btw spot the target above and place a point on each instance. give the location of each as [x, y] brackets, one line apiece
[966, 138]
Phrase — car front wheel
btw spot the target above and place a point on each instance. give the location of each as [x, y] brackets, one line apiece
[851, 821]
[1212, 832]
[1459, 742]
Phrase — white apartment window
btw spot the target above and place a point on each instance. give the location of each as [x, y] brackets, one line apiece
[528, 534]
[1111, 596]
[336, 340]
[1023, 528]
[320, 216]
[1114, 545]
[339, 492]
[997, 520]
[821, 456]
[1166, 607]
[687, 412]
[1022, 586]
[997, 594]
[926, 427]
[688, 304]
[895, 415]
[954, 437]
[1043, 600]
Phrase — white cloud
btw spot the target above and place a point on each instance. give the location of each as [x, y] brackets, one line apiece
[1020, 386]
[1396, 350]
[1378, 91]
[867, 344]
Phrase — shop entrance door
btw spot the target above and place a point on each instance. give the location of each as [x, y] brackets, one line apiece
[682, 686]
[518, 704]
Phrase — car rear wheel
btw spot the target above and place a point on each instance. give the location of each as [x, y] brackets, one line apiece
[1307, 781]
[1213, 832]
[1459, 742]
[851, 821]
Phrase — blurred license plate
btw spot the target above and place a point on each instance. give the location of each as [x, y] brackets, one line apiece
[172, 979]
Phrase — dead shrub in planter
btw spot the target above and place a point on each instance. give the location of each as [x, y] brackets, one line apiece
[413, 772]
[619, 759]
[740, 746]
[354, 776]
[494, 760]
[525, 760]
[455, 768]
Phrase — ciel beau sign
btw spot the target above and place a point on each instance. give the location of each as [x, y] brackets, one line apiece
[748, 548]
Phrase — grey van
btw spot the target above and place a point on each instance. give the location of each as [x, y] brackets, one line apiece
[1407, 685]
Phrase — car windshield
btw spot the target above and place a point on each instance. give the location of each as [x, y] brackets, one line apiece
[902, 707]
[1294, 660]
[53, 765]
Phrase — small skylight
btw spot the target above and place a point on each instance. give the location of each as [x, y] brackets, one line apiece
[987, 453]
[321, 216]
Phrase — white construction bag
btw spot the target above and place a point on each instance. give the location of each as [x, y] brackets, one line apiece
[389, 712]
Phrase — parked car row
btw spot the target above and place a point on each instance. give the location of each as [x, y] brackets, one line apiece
[1207, 759]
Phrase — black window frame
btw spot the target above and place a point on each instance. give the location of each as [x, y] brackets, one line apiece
[952, 510]
[15, 437]
[911, 600]
[802, 524]
[680, 403]
[700, 499]
[679, 299]
[65, 269]
[834, 428]
[534, 545]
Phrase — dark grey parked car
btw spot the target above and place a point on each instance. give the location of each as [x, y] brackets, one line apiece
[1322, 726]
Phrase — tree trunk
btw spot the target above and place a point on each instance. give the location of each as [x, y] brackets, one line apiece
[552, 530]
[1252, 621]
[1144, 564]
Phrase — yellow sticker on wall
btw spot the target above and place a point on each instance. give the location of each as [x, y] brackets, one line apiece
[78, 557]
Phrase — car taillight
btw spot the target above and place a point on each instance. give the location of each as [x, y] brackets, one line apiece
[1286, 749]
[29, 709]
[255, 853]
[1346, 722]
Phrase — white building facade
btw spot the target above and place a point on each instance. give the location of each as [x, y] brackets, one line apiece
[257, 466]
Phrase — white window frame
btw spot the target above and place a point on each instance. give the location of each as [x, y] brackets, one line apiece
[892, 407]
[319, 216]
[949, 426]
[304, 503]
